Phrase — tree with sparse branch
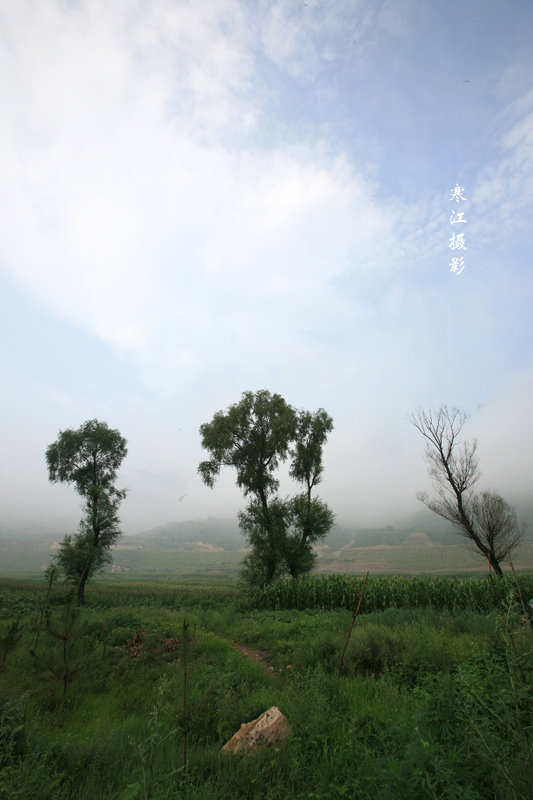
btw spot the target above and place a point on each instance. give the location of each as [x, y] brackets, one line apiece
[496, 524]
[486, 520]
[64, 631]
[89, 457]
[50, 574]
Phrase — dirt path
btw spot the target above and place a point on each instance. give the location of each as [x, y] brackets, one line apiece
[259, 656]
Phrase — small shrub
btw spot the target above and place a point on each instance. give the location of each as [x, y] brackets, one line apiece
[372, 649]
[324, 650]
[12, 735]
[9, 640]
[149, 646]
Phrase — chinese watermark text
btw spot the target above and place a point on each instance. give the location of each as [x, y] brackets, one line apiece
[457, 240]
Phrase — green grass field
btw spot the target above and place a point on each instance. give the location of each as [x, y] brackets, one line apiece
[428, 703]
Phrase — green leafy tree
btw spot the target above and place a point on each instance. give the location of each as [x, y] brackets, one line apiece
[486, 520]
[84, 554]
[89, 458]
[255, 436]
[268, 538]
[310, 518]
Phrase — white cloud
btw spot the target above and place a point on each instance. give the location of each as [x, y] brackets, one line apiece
[504, 192]
[156, 195]
[303, 39]
[126, 212]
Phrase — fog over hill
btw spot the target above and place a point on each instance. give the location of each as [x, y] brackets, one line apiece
[216, 545]
[224, 531]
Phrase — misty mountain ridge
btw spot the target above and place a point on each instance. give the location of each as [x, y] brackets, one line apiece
[218, 534]
[224, 533]
[216, 545]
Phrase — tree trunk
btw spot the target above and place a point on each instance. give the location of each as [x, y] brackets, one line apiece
[271, 562]
[81, 587]
[65, 667]
[495, 565]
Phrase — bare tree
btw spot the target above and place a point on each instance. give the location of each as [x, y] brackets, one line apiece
[486, 520]
[496, 524]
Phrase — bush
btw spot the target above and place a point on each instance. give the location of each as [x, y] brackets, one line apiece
[372, 649]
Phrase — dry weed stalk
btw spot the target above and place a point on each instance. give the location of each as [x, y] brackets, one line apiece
[351, 626]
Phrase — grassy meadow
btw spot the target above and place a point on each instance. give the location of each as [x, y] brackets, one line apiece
[134, 695]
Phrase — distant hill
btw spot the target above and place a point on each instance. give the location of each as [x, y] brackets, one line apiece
[216, 545]
[10, 531]
[440, 530]
[222, 533]
[225, 533]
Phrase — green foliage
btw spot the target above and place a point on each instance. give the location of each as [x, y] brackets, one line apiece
[432, 703]
[306, 453]
[372, 649]
[9, 640]
[265, 528]
[255, 436]
[299, 557]
[310, 520]
[50, 574]
[381, 592]
[61, 659]
[12, 734]
[89, 457]
[160, 729]
[86, 553]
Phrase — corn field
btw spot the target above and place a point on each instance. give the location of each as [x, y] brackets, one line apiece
[381, 592]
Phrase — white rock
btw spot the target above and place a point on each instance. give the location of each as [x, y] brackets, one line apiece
[268, 729]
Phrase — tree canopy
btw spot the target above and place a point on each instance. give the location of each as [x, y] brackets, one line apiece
[89, 457]
[310, 518]
[255, 436]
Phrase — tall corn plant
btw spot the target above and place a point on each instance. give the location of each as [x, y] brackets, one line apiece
[381, 592]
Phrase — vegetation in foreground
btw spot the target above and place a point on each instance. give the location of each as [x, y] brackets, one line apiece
[430, 703]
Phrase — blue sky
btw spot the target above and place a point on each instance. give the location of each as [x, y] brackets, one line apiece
[199, 199]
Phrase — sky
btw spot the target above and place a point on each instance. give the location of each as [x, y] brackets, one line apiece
[203, 198]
